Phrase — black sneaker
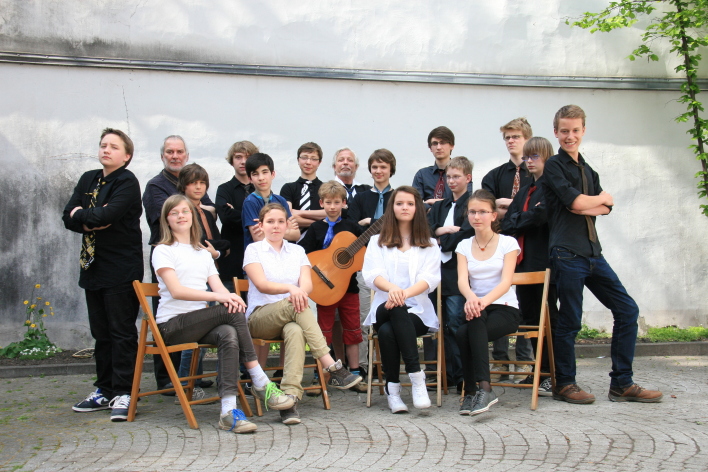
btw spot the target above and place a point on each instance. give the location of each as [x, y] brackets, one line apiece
[120, 405]
[94, 402]
[546, 388]
[290, 416]
[466, 404]
[528, 380]
[482, 401]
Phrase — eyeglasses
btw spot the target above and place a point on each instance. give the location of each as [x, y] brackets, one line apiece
[437, 143]
[454, 177]
[532, 157]
[309, 159]
[481, 212]
[515, 137]
[177, 213]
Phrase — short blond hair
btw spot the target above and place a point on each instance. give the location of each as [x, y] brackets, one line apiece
[332, 189]
[568, 111]
[245, 147]
[520, 124]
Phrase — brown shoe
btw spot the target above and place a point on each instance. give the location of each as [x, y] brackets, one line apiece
[573, 394]
[634, 393]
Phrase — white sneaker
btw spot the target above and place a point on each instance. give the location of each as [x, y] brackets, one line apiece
[419, 390]
[393, 394]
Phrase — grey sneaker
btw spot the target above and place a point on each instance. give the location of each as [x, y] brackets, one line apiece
[119, 406]
[290, 416]
[237, 422]
[197, 394]
[545, 389]
[482, 401]
[466, 404]
[273, 397]
[341, 378]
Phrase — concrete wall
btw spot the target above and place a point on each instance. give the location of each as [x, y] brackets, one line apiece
[51, 117]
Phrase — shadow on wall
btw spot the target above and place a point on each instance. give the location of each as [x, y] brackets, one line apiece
[36, 249]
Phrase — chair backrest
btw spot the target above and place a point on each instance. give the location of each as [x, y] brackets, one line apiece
[240, 286]
[144, 290]
[530, 278]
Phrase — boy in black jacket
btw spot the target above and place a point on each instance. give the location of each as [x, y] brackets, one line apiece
[450, 225]
[105, 208]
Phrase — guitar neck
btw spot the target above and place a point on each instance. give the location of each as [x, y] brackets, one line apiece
[363, 240]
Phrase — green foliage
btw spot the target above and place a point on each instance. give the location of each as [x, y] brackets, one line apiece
[590, 333]
[674, 334]
[683, 24]
[35, 343]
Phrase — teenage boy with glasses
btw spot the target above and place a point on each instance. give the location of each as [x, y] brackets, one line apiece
[302, 195]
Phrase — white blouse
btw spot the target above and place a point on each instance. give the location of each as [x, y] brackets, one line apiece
[423, 264]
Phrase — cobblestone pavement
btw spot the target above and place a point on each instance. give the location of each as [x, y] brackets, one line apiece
[39, 431]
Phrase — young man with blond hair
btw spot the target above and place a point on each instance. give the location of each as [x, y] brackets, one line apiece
[575, 198]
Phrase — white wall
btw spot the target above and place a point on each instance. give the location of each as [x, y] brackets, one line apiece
[51, 118]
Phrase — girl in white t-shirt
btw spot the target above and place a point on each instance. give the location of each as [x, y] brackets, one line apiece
[485, 266]
[184, 267]
[402, 265]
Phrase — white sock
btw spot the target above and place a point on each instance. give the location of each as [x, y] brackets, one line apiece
[258, 377]
[228, 403]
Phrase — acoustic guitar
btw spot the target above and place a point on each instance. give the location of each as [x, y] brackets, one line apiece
[332, 268]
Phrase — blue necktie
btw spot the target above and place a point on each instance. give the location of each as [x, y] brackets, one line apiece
[330, 233]
[380, 205]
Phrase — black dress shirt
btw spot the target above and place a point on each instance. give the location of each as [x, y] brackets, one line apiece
[315, 236]
[292, 191]
[232, 192]
[500, 180]
[119, 248]
[158, 189]
[532, 224]
[563, 183]
[448, 242]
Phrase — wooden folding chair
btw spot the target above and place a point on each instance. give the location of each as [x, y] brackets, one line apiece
[158, 346]
[241, 285]
[542, 332]
[440, 382]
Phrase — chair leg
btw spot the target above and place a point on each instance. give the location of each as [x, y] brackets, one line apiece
[140, 360]
[244, 402]
[370, 372]
[439, 367]
[323, 385]
[379, 370]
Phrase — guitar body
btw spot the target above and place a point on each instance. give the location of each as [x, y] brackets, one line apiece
[332, 269]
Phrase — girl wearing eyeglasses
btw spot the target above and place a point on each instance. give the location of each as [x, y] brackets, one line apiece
[527, 221]
[485, 266]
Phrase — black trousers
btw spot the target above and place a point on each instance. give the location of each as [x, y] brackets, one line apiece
[162, 378]
[398, 331]
[529, 297]
[112, 313]
[473, 339]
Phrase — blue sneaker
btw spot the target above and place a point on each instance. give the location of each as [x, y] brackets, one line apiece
[94, 402]
[120, 405]
[237, 422]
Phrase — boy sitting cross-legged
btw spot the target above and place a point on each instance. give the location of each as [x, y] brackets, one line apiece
[278, 306]
[333, 198]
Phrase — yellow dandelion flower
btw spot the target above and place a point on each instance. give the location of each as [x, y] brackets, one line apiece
[44, 316]
[52, 313]
[39, 298]
[33, 325]
[38, 286]
[26, 302]
[27, 322]
[33, 306]
[46, 303]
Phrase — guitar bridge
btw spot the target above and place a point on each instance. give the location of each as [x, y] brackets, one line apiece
[324, 278]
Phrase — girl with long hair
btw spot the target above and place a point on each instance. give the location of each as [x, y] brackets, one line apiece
[485, 266]
[402, 265]
[184, 268]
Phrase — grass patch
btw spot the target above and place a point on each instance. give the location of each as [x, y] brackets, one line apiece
[674, 334]
[591, 333]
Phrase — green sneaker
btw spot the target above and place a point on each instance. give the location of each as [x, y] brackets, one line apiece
[273, 397]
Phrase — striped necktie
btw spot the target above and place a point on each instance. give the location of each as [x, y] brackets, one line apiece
[305, 195]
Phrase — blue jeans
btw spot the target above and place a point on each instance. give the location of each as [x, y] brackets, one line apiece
[571, 273]
[454, 317]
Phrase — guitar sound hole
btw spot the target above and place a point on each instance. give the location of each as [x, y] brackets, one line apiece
[342, 259]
